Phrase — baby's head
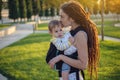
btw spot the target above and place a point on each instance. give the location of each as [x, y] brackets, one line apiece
[55, 29]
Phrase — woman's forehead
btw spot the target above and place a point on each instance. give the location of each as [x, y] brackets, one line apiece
[63, 14]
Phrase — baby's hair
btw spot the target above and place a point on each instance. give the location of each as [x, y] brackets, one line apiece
[52, 24]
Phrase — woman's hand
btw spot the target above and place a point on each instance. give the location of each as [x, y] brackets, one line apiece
[54, 60]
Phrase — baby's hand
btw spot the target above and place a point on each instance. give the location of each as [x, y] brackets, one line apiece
[71, 39]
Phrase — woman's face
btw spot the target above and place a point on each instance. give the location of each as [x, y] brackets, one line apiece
[65, 19]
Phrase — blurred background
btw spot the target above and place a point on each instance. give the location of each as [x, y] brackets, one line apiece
[24, 38]
[22, 10]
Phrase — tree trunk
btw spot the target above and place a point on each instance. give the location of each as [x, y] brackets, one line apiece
[117, 17]
[102, 25]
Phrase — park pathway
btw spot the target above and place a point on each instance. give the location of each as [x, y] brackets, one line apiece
[22, 30]
[110, 38]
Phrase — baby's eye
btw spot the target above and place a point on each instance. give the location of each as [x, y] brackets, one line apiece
[60, 29]
[56, 31]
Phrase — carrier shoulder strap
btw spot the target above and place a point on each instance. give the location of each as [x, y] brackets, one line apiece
[73, 33]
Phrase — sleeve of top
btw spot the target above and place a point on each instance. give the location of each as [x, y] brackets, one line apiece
[51, 52]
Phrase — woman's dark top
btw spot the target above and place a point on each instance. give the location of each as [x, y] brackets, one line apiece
[52, 53]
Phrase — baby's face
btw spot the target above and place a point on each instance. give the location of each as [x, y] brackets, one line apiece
[57, 32]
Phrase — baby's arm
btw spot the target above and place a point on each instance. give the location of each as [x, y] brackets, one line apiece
[72, 48]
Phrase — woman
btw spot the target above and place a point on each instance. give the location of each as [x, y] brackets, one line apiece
[86, 39]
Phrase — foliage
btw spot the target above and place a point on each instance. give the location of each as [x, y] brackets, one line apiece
[95, 8]
[52, 11]
[114, 6]
[29, 8]
[0, 9]
[13, 9]
[22, 9]
[47, 12]
[41, 13]
[36, 7]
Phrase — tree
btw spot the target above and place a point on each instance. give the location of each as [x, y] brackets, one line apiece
[88, 4]
[13, 9]
[102, 25]
[106, 11]
[46, 12]
[22, 9]
[52, 11]
[41, 8]
[29, 8]
[36, 7]
[57, 11]
[114, 7]
[53, 4]
[95, 9]
[0, 9]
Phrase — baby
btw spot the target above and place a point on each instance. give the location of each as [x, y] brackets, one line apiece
[62, 42]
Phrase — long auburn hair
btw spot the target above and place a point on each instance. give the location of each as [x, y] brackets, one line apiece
[75, 10]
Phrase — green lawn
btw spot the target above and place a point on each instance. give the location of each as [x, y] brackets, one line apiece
[109, 61]
[25, 60]
[43, 26]
[4, 26]
[109, 29]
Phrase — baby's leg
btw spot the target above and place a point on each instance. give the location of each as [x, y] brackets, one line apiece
[65, 71]
[65, 75]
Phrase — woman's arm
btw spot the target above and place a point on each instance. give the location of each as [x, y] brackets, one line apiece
[81, 45]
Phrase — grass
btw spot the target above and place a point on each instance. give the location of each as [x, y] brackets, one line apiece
[43, 26]
[109, 61]
[109, 29]
[25, 60]
[2, 26]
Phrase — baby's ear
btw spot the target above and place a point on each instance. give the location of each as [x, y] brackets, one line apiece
[50, 32]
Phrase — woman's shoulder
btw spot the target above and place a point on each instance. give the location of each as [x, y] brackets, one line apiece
[81, 34]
